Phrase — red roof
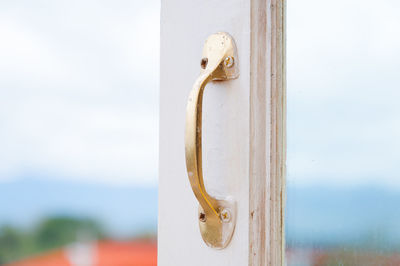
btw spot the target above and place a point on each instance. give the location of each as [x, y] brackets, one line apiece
[106, 253]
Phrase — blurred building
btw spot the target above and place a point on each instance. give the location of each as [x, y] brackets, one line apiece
[103, 253]
[340, 256]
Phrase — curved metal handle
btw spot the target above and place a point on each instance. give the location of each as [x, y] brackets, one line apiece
[217, 217]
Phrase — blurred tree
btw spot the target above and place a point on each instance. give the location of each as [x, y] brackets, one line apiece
[60, 231]
[11, 242]
[51, 233]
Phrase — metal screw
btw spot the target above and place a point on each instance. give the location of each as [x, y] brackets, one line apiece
[204, 62]
[228, 62]
[225, 215]
[202, 217]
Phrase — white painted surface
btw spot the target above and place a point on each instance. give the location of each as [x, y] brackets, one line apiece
[185, 25]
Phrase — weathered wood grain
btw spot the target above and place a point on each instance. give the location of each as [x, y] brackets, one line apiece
[267, 133]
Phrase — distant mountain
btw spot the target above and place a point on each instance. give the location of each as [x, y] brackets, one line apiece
[122, 210]
[322, 216]
[363, 216]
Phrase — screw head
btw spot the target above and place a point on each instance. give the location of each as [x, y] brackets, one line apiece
[225, 215]
[229, 61]
[202, 217]
[203, 62]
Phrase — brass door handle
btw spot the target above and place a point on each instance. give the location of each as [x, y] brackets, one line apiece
[217, 217]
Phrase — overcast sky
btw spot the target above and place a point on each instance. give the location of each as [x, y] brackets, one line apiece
[343, 92]
[79, 91]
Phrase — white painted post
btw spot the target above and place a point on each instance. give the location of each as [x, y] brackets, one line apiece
[243, 131]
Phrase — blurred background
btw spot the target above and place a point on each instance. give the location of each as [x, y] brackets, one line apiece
[78, 132]
[343, 88]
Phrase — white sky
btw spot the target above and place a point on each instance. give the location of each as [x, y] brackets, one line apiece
[343, 92]
[79, 90]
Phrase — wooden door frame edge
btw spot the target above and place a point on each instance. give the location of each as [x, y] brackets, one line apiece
[267, 133]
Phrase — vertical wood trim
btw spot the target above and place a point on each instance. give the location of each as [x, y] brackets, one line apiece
[267, 133]
[259, 136]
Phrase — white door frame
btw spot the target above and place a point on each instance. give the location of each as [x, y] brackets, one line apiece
[268, 133]
[244, 131]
